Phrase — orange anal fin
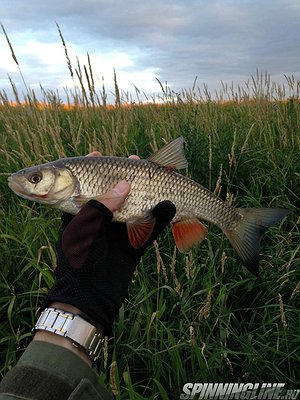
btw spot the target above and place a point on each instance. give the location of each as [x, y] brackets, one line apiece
[188, 233]
[140, 230]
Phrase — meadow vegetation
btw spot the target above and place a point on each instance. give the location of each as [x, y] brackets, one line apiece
[196, 317]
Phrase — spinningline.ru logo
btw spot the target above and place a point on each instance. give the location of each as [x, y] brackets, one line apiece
[238, 391]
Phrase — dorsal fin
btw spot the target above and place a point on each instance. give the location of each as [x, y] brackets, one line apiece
[171, 155]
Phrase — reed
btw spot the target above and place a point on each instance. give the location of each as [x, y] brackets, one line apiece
[196, 317]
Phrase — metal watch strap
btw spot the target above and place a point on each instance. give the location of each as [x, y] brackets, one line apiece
[72, 326]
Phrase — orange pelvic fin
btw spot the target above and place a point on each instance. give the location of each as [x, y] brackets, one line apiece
[139, 230]
[188, 233]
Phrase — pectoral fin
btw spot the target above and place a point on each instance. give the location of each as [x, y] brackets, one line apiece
[80, 201]
[188, 233]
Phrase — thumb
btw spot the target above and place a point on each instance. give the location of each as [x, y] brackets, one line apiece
[115, 197]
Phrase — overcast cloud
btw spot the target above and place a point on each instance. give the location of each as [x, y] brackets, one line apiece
[174, 41]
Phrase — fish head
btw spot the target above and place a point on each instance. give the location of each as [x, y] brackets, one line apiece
[45, 183]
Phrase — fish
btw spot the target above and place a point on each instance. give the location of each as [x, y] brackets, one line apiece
[69, 183]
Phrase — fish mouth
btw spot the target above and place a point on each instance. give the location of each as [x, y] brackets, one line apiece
[15, 185]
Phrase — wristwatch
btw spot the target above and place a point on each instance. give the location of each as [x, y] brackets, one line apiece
[74, 327]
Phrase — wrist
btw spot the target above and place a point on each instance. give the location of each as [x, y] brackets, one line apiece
[61, 341]
[66, 326]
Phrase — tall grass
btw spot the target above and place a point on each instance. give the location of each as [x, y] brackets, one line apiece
[196, 317]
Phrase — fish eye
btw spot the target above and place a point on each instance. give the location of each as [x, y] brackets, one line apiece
[35, 178]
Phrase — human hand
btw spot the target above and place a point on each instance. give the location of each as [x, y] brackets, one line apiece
[95, 260]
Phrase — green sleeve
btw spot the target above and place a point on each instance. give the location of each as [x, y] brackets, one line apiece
[48, 372]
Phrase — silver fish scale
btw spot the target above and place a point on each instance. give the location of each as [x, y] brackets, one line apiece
[150, 184]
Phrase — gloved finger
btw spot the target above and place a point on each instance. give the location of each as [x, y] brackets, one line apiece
[163, 212]
[115, 197]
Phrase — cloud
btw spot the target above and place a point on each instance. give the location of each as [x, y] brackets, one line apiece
[170, 40]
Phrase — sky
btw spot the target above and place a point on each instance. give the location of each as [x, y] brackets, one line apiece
[172, 41]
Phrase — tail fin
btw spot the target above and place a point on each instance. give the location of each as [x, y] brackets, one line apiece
[245, 238]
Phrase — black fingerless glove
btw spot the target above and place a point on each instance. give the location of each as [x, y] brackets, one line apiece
[95, 260]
